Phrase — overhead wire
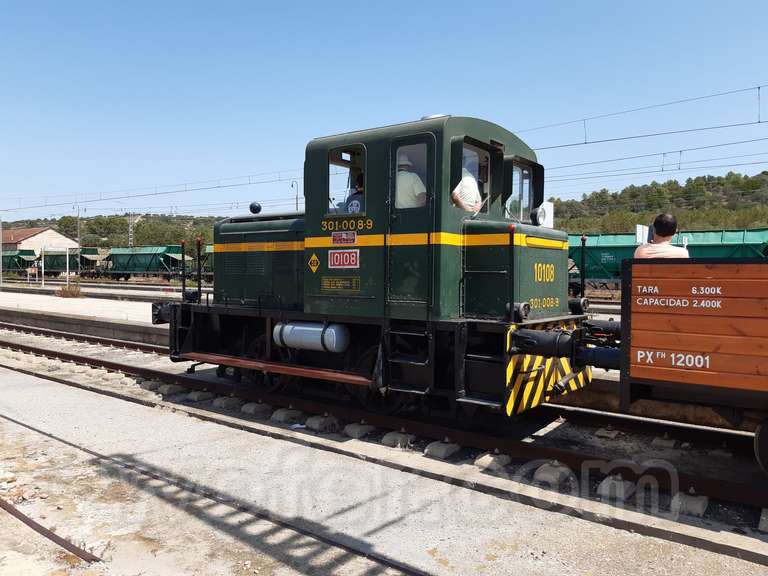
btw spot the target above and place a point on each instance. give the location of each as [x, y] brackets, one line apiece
[664, 167]
[668, 152]
[646, 107]
[649, 135]
[646, 172]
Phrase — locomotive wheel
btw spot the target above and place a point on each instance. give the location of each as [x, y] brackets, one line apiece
[267, 382]
[372, 399]
[378, 403]
[761, 445]
[263, 381]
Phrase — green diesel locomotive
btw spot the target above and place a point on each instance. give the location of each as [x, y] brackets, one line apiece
[418, 256]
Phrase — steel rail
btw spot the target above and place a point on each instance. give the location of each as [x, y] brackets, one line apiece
[147, 287]
[745, 493]
[50, 535]
[737, 440]
[114, 342]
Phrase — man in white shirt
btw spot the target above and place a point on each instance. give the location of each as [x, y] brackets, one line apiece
[409, 189]
[466, 195]
[664, 228]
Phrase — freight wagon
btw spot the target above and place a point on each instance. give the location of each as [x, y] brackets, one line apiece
[83, 261]
[604, 253]
[163, 261]
[17, 261]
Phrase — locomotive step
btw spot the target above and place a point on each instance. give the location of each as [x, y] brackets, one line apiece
[409, 333]
[484, 357]
[479, 402]
[406, 389]
[408, 360]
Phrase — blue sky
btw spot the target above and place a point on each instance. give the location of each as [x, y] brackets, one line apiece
[99, 97]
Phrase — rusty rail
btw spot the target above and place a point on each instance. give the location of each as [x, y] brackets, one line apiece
[50, 535]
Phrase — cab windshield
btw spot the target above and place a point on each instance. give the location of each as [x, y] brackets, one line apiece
[519, 203]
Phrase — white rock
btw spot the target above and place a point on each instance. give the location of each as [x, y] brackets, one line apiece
[7, 477]
[257, 409]
[441, 450]
[660, 442]
[150, 385]
[169, 389]
[398, 439]
[357, 430]
[322, 423]
[492, 462]
[615, 488]
[689, 505]
[607, 433]
[552, 474]
[287, 416]
[228, 403]
[199, 395]
[763, 526]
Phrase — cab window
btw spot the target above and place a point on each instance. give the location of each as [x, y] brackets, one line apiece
[411, 176]
[520, 200]
[474, 187]
[346, 180]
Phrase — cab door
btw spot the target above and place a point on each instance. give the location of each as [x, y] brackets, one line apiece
[411, 218]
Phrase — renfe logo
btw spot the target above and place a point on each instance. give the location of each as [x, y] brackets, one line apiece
[343, 258]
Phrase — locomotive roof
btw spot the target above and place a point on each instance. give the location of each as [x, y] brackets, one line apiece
[447, 126]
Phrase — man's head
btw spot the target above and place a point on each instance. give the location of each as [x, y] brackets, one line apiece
[403, 162]
[664, 226]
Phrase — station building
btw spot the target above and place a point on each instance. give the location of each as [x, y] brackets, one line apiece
[35, 239]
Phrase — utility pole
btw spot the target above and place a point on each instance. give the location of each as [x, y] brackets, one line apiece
[130, 230]
[79, 244]
[295, 184]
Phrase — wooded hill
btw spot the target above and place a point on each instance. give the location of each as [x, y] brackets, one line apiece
[701, 203]
[148, 229]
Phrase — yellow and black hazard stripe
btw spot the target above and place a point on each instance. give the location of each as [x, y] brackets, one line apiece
[531, 379]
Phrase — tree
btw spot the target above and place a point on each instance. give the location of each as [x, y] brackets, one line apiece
[67, 225]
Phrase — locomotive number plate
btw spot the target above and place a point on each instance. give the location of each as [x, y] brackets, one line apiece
[343, 259]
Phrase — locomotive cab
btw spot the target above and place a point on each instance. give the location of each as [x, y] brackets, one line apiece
[387, 235]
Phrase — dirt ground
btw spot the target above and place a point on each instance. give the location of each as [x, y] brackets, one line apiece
[137, 525]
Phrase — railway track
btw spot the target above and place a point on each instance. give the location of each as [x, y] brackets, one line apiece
[103, 355]
[144, 286]
[738, 440]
